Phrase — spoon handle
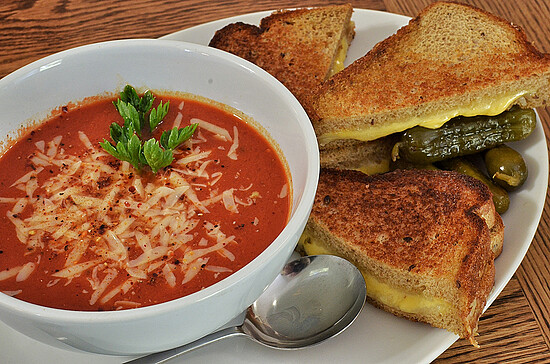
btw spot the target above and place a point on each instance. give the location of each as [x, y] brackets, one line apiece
[163, 356]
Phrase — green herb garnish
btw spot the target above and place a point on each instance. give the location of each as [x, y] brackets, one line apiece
[128, 146]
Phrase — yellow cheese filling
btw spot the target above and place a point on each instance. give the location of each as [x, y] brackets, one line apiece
[393, 297]
[342, 51]
[432, 121]
[338, 64]
[371, 168]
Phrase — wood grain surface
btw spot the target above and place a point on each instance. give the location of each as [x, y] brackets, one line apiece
[516, 328]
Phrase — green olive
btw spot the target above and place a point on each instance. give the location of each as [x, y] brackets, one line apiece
[506, 167]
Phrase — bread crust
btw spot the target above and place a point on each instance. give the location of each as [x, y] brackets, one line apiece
[422, 231]
[447, 57]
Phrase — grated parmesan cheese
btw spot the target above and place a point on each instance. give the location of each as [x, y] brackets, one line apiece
[88, 212]
[218, 131]
[95, 228]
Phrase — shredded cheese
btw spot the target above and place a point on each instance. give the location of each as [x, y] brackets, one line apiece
[218, 131]
[96, 213]
[10, 272]
[232, 153]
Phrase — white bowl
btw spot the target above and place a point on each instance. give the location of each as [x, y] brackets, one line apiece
[32, 91]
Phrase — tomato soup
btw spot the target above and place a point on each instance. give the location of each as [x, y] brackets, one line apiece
[85, 231]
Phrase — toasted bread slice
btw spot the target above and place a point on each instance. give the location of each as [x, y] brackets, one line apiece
[452, 59]
[301, 48]
[423, 239]
[369, 157]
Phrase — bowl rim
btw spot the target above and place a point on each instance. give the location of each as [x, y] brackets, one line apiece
[303, 205]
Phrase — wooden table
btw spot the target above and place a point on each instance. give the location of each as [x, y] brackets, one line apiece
[515, 328]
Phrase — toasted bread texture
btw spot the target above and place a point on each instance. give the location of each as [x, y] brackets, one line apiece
[298, 47]
[369, 157]
[423, 239]
[452, 59]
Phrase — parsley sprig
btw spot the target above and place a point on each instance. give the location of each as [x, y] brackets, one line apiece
[128, 146]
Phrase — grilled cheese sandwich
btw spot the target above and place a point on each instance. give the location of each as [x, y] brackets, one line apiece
[301, 47]
[490, 106]
[452, 59]
[425, 241]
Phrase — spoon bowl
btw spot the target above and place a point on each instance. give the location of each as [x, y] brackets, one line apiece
[311, 300]
[314, 298]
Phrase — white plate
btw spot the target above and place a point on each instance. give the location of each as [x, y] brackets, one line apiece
[376, 337]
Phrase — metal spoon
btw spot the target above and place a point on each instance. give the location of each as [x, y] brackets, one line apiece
[312, 299]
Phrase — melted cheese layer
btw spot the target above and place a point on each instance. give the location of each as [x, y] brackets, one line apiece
[432, 121]
[371, 168]
[387, 295]
[338, 64]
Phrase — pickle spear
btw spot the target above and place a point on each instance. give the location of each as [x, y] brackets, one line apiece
[463, 136]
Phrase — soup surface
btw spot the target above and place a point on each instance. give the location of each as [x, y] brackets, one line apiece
[85, 231]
